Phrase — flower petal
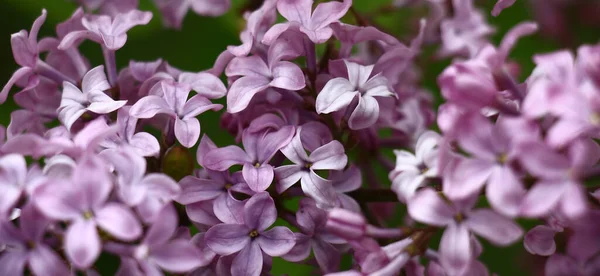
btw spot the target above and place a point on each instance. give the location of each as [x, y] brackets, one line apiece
[82, 243]
[365, 114]
[277, 241]
[177, 256]
[258, 179]
[428, 207]
[118, 221]
[149, 106]
[455, 249]
[44, 261]
[249, 262]
[260, 212]
[330, 156]
[222, 158]
[540, 241]
[287, 176]
[287, 75]
[496, 228]
[187, 131]
[335, 95]
[319, 189]
[243, 90]
[226, 239]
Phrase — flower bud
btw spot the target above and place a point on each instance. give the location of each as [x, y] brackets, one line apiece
[346, 224]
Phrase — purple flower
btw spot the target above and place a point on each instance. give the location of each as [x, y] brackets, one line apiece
[161, 249]
[558, 185]
[257, 76]
[413, 169]
[15, 180]
[459, 218]
[301, 17]
[174, 11]
[330, 156]
[260, 148]
[149, 193]
[174, 102]
[142, 142]
[109, 31]
[83, 202]
[466, 32]
[311, 222]
[26, 53]
[493, 149]
[257, 24]
[26, 246]
[339, 93]
[75, 102]
[250, 236]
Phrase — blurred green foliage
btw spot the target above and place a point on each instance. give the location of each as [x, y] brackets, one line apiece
[201, 39]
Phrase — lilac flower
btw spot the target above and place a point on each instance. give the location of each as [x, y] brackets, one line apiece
[160, 248]
[250, 236]
[174, 11]
[15, 181]
[106, 30]
[330, 156]
[75, 102]
[26, 53]
[466, 32]
[83, 202]
[301, 17]
[459, 218]
[259, 149]
[311, 222]
[174, 102]
[149, 193]
[338, 93]
[493, 149]
[483, 80]
[257, 76]
[257, 24]
[142, 142]
[26, 246]
[559, 185]
[413, 169]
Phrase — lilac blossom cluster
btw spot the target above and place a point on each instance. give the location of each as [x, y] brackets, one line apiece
[96, 160]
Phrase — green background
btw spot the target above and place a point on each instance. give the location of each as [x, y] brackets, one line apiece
[201, 39]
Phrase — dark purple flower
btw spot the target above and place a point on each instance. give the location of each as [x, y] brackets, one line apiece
[256, 75]
[259, 148]
[250, 236]
[314, 237]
